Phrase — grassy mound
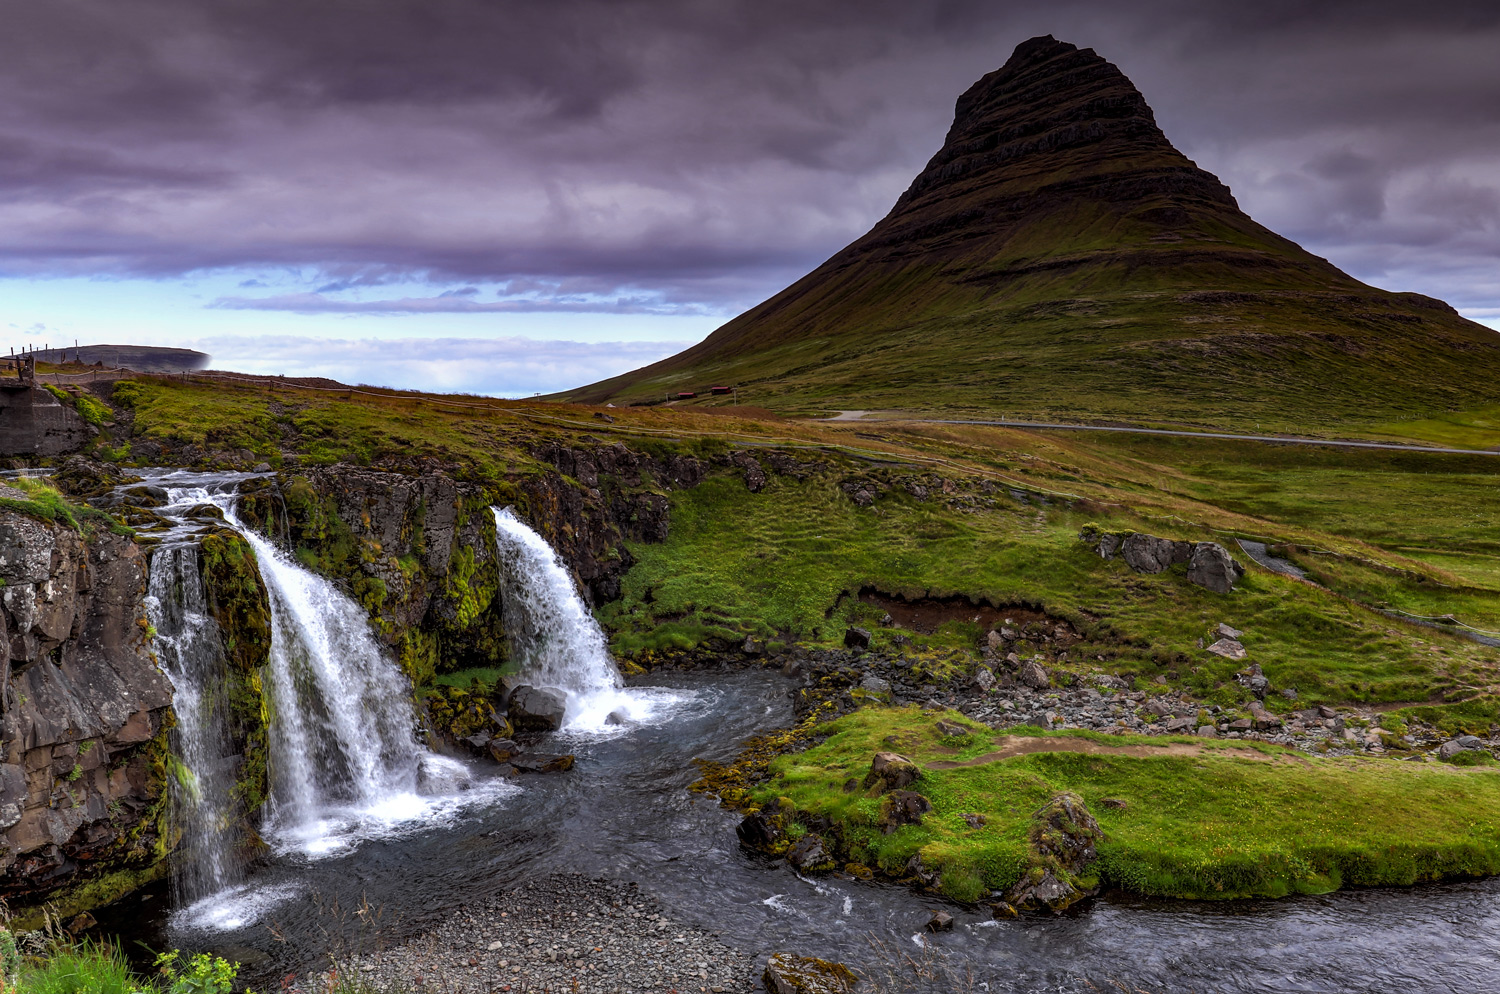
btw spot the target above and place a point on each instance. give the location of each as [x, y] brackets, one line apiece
[1183, 818]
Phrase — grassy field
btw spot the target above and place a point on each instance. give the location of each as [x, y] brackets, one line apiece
[787, 564]
[1201, 820]
[799, 554]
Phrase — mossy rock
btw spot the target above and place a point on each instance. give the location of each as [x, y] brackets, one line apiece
[237, 598]
[789, 974]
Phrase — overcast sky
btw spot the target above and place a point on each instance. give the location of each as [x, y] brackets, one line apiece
[506, 197]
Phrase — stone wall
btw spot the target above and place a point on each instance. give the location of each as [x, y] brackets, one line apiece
[35, 423]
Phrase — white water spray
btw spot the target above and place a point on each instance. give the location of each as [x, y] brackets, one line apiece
[553, 636]
[345, 763]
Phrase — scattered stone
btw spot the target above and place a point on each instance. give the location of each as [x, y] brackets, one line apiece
[560, 933]
[753, 646]
[857, 638]
[952, 729]
[875, 685]
[1119, 804]
[1228, 648]
[974, 821]
[810, 855]
[1207, 732]
[984, 679]
[940, 921]
[1230, 633]
[1175, 725]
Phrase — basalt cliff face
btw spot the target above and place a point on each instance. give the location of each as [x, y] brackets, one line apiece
[84, 712]
[1058, 254]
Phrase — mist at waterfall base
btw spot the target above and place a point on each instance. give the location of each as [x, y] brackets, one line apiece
[624, 811]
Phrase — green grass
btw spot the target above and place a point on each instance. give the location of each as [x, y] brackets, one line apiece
[796, 553]
[46, 503]
[83, 968]
[1201, 826]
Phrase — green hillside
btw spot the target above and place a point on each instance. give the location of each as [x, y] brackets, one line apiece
[1059, 258]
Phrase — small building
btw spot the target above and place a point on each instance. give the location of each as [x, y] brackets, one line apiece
[686, 394]
[720, 391]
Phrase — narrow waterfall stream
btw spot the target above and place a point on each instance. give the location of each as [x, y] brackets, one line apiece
[190, 648]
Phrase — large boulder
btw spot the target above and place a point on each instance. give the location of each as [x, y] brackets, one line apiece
[1035, 675]
[1214, 568]
[891, 771]
[535, 710]
[788, 974]
[1062, 840]
[1149, 554]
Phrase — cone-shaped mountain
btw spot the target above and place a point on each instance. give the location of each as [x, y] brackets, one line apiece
[1058, 257]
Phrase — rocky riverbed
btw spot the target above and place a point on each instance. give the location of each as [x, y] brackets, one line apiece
[563, 933]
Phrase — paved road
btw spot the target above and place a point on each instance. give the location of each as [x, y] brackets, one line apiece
[1397, 446]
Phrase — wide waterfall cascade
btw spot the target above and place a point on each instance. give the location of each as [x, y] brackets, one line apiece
[555, 639]
[345, 763]
[190, 648]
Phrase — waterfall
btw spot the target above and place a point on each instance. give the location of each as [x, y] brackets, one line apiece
[553, 637]
[344, 759]
[191, 652]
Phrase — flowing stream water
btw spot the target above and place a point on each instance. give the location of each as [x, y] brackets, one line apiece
[410, 855]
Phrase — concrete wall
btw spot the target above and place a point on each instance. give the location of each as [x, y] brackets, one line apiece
[35, 423]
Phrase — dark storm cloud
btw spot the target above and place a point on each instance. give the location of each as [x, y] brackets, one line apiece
[687, 153]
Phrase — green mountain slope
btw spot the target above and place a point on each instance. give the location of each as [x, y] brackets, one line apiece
[1058, 257]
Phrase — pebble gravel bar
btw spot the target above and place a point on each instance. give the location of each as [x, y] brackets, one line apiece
[566, 933]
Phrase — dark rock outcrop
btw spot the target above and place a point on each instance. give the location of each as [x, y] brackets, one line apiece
[1209, 564]
[83, 708]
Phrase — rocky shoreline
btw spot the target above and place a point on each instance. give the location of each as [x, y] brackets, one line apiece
[563, 933]
[1002, 690]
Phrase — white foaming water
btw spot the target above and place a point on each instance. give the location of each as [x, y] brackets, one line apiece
[345, 763]
[557, 641]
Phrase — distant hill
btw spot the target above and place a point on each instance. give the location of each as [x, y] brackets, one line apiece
[1058, 257]
[141, 358]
